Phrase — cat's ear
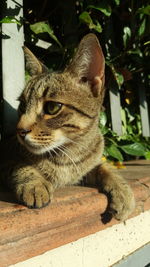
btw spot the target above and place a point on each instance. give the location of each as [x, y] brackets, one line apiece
[33, 65]
[88, 63]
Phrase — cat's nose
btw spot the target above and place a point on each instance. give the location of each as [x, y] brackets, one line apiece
[23, 132]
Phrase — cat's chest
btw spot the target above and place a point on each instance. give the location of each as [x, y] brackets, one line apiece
[59, 173]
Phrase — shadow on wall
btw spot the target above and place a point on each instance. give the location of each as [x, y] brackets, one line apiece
[9, 119]
[8, 115]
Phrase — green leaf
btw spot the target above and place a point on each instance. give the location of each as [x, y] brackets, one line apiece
[147, 155]
[114, 152]
[102, 122]
[117, 2]
[97, 27]
[27, 76]
[147, 43]
[104, 130]
[135, 149]
[42, 27]
[142, 27]
[144, 10]
[103, 118]
[111, 139]
[119, 78]
[126, 35]
[86, 19]
[117, 75]
[134, 52]
[130, 129]
[10, 19]
[102, 7]
[131, 116]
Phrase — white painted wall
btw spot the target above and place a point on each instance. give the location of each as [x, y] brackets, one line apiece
[12, 64]
[101, 249]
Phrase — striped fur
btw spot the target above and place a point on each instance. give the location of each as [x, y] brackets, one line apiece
[58, 149]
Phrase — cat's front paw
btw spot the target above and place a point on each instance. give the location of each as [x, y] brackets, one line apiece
[122, 202]
[34, 194]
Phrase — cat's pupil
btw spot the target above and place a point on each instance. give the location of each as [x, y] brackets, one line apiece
[51, 107]
[84, 79]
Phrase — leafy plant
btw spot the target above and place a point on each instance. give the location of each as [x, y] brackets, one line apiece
[132, 143]
[123, 30]
[43, 27]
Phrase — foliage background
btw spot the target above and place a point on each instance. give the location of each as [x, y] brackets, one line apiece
[122, 27]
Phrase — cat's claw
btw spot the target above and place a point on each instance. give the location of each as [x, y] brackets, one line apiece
[34, 195]
[122, 203]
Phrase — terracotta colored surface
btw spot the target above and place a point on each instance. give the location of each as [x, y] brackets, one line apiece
[74, 213]
[136, 169]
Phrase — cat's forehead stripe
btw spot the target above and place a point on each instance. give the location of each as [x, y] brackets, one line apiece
[80, 111]
[58, 87]
[43, 90]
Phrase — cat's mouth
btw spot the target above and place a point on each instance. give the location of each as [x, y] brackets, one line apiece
[35, 148]
[40, 148]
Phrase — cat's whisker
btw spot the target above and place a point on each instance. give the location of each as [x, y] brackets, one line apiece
[49, 152]
[69, 158]
[53, 149]
[70, 154]
[69, 151]
[76, 143]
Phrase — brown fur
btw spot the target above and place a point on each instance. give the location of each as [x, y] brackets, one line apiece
[59, 149]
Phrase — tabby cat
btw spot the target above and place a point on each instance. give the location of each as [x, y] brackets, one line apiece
[59, 138]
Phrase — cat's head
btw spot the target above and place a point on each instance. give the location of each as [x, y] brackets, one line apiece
[56, 108]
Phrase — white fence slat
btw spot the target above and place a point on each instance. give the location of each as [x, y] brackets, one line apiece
[144, 112]
[12, 64]
[115, 111]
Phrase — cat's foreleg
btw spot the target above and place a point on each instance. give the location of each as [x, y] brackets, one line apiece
[30, 187]
[122, 201]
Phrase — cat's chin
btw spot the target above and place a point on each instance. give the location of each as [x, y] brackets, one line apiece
[36, 150]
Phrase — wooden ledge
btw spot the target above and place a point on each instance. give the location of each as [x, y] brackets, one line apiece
[75, 212]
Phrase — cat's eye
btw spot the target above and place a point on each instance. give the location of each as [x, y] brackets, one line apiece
[52, 108]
